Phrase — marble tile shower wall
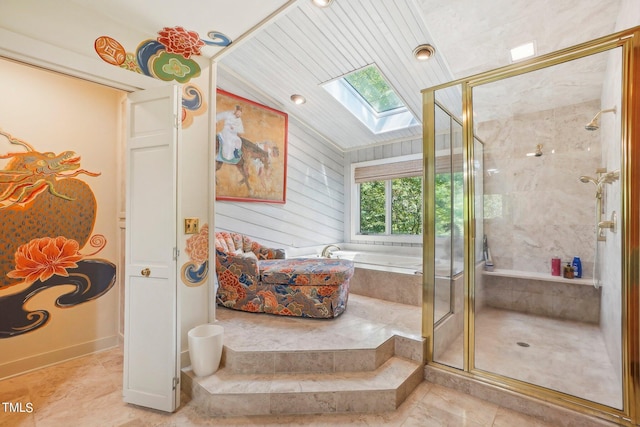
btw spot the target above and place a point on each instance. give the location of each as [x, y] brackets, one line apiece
[543, 210]
[609, 255]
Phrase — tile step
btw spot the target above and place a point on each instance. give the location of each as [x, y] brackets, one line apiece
[307, 361]
[230, 394]
[243, 361]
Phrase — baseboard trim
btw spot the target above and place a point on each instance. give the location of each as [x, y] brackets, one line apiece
[38, 361]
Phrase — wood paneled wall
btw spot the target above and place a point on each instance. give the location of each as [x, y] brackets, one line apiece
[314, 212]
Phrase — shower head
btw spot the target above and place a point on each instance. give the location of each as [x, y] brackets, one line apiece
[536, 153]
[593, 124]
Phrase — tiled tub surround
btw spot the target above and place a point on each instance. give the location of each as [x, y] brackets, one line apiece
[382, 272]
[396, 283]
[542, 294]
[405, 288]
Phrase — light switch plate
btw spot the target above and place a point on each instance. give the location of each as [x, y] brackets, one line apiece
[191, 226]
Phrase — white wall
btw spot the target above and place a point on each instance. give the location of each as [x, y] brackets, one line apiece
[314, 210]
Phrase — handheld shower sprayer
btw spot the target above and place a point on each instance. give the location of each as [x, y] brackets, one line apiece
[603, 178]
[593, 124]
[596, 182]
[586, 179]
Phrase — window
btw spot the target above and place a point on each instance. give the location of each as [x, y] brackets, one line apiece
[387, 200]
[374, 89]
[369, 97]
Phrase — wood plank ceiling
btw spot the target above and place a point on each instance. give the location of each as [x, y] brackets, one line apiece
[302, 46]
[309, 46]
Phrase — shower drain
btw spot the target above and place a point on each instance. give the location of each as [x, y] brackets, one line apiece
[522, 344]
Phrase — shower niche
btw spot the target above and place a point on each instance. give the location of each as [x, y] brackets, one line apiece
[545, 171]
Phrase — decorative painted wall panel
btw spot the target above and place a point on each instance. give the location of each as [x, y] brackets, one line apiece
[58, 211]
[48, 217]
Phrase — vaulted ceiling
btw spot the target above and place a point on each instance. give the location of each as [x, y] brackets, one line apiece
[282, 47]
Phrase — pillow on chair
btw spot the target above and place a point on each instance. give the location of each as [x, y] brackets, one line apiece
[249, 255]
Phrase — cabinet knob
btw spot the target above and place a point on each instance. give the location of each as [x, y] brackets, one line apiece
[146, 272]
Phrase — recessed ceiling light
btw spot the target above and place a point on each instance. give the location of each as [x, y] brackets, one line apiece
[322, 3]
[298, 99]
[523, 51]
[424, 52]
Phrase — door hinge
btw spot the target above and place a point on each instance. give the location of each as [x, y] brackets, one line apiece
[177, 120]
[176, 381]
[176, 253]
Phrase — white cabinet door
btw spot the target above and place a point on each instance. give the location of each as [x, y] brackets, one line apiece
[151, 341]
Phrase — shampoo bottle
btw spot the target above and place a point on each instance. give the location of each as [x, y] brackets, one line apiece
[577, 267]
[568, 271]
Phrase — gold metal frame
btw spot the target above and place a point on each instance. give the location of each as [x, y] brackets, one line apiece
[629, 42]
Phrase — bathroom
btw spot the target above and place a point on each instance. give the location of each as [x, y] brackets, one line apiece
[546, 184]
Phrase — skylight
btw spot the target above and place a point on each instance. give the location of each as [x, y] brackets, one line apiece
[374, 89]
[369, 97]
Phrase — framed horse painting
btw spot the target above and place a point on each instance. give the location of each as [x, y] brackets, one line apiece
[251, 150]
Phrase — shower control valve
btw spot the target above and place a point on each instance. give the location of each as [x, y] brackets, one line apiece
[611, 224]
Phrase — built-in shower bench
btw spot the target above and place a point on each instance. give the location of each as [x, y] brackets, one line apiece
[540, 293]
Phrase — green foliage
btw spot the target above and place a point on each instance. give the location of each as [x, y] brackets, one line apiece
[444, 207]
[372, 210]
[406, 206]
[370, 84]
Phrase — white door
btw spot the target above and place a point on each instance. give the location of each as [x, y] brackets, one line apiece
[151, 369]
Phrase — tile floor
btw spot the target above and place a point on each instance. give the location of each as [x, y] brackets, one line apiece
[563, 355]
[366, 323]
[87, 391]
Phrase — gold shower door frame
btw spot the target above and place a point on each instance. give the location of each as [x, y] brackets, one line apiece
[629, 42]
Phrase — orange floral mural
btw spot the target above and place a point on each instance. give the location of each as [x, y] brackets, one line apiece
[180, 41]
[48, 216]
[168, 58]
[195, 272]
[42, 258]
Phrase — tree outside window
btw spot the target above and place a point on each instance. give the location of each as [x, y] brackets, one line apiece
[397, 202]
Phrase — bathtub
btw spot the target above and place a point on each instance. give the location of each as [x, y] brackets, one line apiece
[400, 264]
[393, 273]
[388, 273]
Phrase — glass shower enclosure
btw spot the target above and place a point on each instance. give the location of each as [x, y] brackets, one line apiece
[542, 219]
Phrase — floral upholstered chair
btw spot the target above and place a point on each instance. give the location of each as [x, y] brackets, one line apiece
[252, 277]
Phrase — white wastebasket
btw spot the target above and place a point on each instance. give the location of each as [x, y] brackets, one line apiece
[205, 348]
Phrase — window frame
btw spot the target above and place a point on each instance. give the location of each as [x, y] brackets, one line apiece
[377, 122]
[355, 205]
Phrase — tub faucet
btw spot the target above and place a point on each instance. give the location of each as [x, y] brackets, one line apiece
[326, 252]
